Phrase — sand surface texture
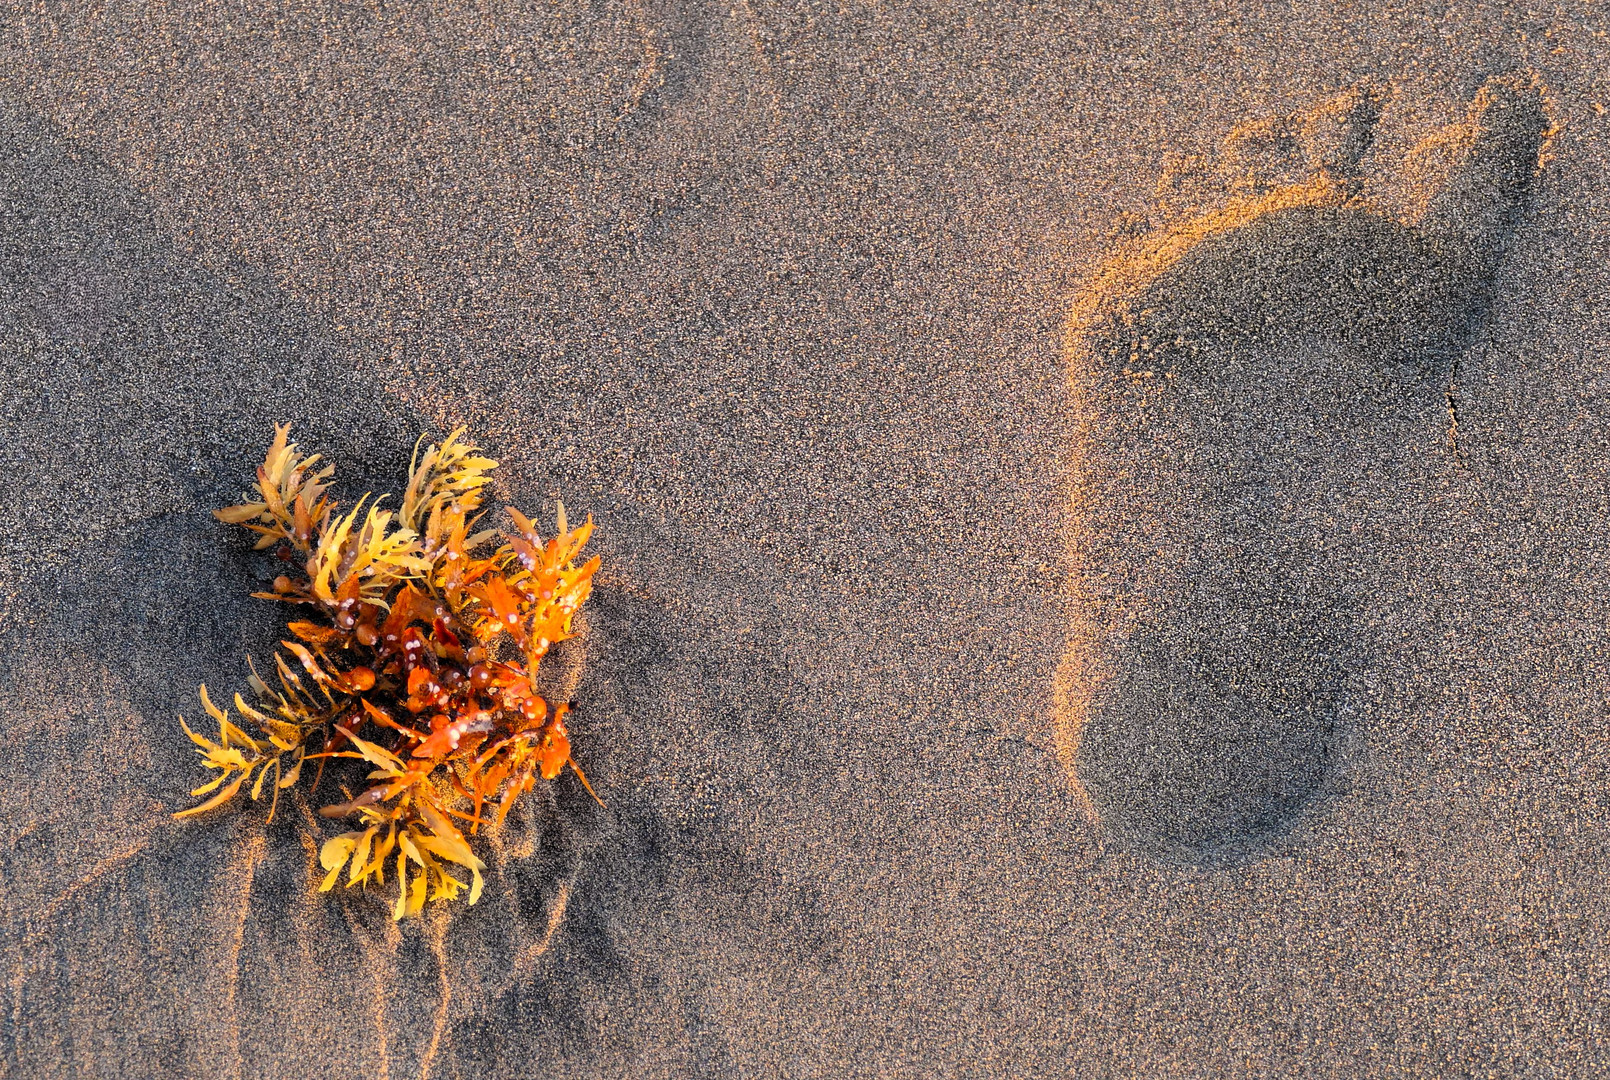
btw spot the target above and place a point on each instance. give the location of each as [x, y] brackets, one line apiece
[779, 294]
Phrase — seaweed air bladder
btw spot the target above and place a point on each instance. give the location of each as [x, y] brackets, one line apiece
[418, 655]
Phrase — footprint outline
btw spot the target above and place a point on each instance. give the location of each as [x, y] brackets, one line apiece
[1204, 307]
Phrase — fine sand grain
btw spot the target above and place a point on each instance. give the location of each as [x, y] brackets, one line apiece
[779, 294]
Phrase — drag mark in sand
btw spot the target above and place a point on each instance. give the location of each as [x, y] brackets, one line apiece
[379, 965]
[1239, 379]
[651, 70]
[47, 923]
[529, 955]
[252, 855]
[436, 939]
[763, 39]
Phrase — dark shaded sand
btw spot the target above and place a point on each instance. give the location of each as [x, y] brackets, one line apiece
[778, 293]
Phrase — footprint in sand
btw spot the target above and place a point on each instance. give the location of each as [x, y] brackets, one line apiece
[1247, 383]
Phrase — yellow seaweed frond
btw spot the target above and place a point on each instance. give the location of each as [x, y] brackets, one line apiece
[290, 504]
[236, 756]
[448, 477]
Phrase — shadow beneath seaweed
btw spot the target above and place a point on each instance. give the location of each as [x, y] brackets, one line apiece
[686, 713]
[141, 390]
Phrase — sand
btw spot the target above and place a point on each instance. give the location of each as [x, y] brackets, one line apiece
[778, 295]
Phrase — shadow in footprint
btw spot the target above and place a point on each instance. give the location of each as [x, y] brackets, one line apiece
[1246, 381]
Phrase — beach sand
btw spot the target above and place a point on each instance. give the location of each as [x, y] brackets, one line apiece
[777, 294]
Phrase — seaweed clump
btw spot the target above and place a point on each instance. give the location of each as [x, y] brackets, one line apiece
[419, 656]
